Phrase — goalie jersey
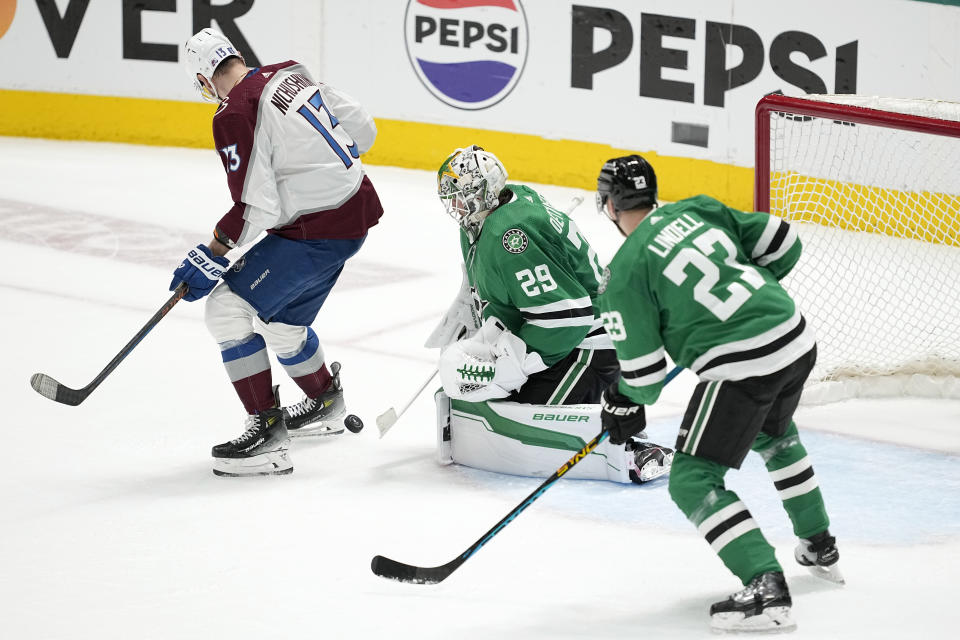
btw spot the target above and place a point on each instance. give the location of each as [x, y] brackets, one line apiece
[531, 269]
[699, 281]
[291, 150]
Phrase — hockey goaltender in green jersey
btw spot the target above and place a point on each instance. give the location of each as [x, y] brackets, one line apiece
[524, 355]
[553, 310]
[699, 282]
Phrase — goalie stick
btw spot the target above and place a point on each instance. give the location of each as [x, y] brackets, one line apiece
[389, 417]
[50, 388]
[402, 572]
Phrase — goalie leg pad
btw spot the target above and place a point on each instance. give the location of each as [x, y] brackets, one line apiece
[532, 440]
[444, 445]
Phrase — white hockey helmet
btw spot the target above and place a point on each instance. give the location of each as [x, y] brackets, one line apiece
[203, 53]
[469, 183]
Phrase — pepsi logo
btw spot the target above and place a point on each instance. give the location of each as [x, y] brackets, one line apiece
[467, 53]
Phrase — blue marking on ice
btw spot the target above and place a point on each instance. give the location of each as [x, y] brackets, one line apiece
[876, 493]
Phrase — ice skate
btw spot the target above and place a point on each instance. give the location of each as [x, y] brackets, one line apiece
[260, 451]
[763, 605]
[320, 416]
[647, 461]
[820, 556]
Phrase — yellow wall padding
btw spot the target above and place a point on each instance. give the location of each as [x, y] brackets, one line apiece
[415, 145]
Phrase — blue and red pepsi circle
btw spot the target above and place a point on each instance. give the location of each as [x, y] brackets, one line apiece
[468, 53]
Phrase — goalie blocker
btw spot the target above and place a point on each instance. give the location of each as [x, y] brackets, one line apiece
[533, 440]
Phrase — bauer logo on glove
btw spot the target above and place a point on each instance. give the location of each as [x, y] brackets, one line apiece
[201, 271]
[620, 411]
[210, 269]
[620, 416]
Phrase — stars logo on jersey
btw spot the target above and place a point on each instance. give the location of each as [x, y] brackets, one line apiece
[604, 281]
[515, 240]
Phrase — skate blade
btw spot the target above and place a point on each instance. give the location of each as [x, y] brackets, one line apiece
[317, 430]
[830, 574]
[772, 620]
[330, 426]
[271, 463]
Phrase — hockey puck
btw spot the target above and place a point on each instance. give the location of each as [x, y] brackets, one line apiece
[353, 423]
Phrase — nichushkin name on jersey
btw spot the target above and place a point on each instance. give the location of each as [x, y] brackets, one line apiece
[672, 234]
[288, 89]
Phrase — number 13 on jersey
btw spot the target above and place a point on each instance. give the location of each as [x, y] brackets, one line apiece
[316, 102]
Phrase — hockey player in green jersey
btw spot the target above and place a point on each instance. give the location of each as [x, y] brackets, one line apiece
[699, 281]
[536, 339]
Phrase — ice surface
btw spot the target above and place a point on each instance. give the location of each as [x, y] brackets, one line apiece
[113, 526]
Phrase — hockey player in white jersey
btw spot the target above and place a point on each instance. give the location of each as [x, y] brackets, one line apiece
[520, 392]
[290, 147]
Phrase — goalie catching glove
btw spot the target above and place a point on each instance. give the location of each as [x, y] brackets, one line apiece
[620, 416]
[491, 364]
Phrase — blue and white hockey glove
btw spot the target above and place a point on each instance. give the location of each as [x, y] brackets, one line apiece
[620, 416]
[201, 271]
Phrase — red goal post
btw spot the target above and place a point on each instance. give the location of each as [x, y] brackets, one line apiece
[873, 185]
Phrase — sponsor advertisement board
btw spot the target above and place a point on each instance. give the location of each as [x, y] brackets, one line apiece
[552, 86]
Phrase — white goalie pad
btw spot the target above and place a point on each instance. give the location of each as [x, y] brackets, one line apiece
[490, 365]
[444, 449]
[532, 440]
[459, 322]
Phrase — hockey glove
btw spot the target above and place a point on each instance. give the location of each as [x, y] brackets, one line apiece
[490, 365]
[459, 322]
[620, 416]
[201, 271]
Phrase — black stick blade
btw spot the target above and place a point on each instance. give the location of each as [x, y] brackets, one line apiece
[50, 388]
[393, 570]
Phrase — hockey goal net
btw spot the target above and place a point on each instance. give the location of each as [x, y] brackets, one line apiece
[873, 185]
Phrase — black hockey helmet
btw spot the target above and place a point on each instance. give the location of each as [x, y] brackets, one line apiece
[629, 181]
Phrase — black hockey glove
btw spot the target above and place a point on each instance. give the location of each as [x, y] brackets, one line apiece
[620, 416]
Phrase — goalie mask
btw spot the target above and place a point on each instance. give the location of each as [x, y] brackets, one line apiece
[203, 53]
[629, 182]
[469, 183]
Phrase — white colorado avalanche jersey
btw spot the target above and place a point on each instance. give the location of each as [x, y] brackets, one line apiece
[291, 149]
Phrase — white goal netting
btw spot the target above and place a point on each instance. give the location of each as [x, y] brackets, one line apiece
[878, 211]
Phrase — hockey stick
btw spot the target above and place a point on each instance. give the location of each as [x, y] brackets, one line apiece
[673, 373]
[402, 572]
[50, 388]
[389, 417]
[574, 203]
[393, 570]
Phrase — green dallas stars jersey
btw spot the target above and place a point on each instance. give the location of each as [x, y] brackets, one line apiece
[700, 281]
[533, 270]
